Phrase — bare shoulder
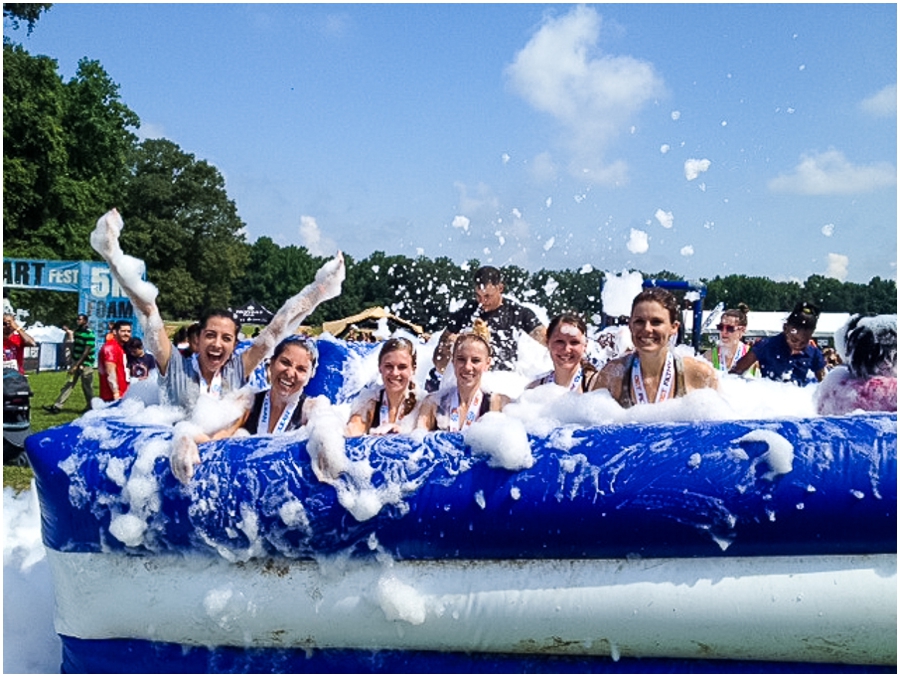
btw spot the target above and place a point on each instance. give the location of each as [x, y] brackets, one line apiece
[699, 373]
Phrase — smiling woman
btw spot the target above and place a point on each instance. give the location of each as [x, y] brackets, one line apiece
[653, 373]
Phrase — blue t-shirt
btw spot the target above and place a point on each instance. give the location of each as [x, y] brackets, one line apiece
[777, 363]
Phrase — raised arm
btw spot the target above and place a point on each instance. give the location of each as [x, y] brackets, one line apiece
[128, 272]
[326, 286]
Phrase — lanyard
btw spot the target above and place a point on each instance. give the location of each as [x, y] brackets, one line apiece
[471, 413]
[263, 426]
[385, 412]
[666, 384]
[213, 389]
[573, 386]
[739, 352]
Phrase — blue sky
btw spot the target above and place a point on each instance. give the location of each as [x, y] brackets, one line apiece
[702, 139]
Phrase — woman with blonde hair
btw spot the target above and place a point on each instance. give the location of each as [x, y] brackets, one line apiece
[455, 409]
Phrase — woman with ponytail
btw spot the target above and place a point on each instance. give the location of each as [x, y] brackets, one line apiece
[394, 407]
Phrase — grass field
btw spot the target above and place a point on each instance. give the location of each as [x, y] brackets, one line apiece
[46, 386]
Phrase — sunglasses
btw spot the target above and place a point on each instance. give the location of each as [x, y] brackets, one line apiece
[728, 327]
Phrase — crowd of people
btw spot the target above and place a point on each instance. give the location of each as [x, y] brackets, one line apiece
[201, 368]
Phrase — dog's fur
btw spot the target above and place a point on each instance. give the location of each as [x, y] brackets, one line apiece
[868, 378]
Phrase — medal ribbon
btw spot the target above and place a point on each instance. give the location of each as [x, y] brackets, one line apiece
[666, 384]
[263, 426]
[471, 413]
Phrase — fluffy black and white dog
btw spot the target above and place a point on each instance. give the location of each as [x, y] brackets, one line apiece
[867, 379]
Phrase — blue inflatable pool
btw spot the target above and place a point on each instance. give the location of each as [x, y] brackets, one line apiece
[697, 546]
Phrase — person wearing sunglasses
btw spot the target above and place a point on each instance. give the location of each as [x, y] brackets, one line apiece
[791, 356]
[730, 347]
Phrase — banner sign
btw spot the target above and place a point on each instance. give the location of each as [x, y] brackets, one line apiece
[99, 295]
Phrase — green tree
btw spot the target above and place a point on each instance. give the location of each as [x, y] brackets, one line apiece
[29, 12]
[179, 219]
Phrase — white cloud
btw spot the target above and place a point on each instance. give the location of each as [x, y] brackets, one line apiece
[461, 222]
[311, 238]
[148, 130]
[830, 173]
[828, 229]
[693, 168]
[543, 169]
[676, 114]
[666, 219]
[687, 250]
[638, 242]
[837, 266]
[664, 148]
[881, 104]
[561, 71]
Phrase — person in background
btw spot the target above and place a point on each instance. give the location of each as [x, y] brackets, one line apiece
[455, 409]
[113, 363]
[505, 319]
[82, 369]
[653, 373]
[140, 362]
[791, 356]
[566, 342]
[394, 407]
[15, 340]
[832, 359]
[730, 347]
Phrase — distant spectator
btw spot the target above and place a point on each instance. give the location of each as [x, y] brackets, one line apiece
[83, 346]
[113, 363]
[140, 362]
[505, 319]
[15, 340]
[791, 356]
[730, 347]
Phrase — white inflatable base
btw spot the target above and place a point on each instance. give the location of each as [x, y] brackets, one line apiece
[833, 609]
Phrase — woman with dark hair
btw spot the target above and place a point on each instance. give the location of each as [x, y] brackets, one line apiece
[653, 373]
[791, 356]
[392, 408]
[566, 342]
[730, 347]
[455, 409]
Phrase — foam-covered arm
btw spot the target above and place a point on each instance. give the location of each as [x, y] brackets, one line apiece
[327, 285]
[128, 272]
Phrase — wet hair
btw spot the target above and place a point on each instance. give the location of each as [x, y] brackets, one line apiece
[805, 315]
[397, 343]
[193, 331]
[133, 344]
[122, 323]
[304, 342]
[487, 275]
[480, 333]
[567, 318]
[392, 345]
[740, 313]
[218, 312]
[868, 344]
[663, 297]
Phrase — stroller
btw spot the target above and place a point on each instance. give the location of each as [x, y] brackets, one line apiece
[16, 416]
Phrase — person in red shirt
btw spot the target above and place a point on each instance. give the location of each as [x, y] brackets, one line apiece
[15, 339]
[113, 363]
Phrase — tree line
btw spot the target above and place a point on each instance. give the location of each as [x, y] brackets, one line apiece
[71, 152]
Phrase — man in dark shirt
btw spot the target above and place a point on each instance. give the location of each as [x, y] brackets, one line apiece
[506, 320]
[82, 369]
